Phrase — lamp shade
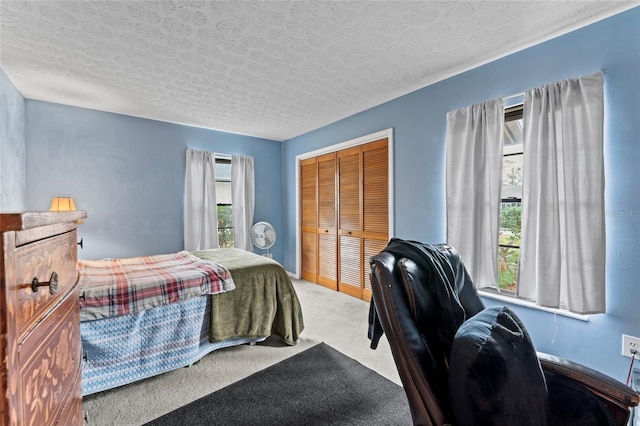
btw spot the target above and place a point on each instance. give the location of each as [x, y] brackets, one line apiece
[62, 204]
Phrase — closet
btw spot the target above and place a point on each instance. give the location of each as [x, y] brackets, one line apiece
[344, 198]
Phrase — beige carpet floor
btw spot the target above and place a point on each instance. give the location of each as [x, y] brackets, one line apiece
[331, 317]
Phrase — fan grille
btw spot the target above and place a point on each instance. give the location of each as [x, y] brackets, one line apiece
[263, 235]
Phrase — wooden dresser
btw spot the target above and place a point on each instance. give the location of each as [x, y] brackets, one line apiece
[40, 348]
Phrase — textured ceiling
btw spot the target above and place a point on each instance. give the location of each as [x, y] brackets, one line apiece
[272, 69]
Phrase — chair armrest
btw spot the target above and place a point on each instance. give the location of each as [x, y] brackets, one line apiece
[600, 384]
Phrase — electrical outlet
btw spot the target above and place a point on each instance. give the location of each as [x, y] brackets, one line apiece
[629, 343]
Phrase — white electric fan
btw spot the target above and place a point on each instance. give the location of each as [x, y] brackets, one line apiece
[263, 236]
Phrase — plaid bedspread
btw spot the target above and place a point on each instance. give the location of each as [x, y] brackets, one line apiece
[110, 288]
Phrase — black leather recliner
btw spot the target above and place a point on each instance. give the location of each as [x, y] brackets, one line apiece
[422, 294]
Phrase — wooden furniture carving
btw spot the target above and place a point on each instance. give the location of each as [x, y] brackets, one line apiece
[344, 215]
[40, 348]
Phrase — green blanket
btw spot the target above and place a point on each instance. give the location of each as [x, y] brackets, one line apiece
[263, 303]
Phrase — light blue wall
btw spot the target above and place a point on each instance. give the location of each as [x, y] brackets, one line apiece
[12, 147]
[419, 123]
[128, 173]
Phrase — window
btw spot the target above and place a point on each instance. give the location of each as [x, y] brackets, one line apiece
[549, 251]
[223, 200]
[511, 202]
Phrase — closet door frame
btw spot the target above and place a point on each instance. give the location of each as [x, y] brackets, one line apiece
[388, 134]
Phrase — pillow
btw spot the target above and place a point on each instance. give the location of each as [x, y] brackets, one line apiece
[495, 377]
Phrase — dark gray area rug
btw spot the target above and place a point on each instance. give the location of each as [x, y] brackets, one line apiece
[319, 386]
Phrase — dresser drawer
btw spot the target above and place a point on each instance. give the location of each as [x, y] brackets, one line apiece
[50, 366]
[72, 414]
[40, 347]
[39, 260]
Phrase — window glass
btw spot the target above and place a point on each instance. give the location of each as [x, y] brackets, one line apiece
[223, 200]
[223, 170]
[511, 205]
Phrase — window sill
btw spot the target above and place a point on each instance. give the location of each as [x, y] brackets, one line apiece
[525, 303]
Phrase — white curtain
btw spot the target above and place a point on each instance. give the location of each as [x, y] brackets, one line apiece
[200, 209]
[242, 200]
[562, 256]
[473, 179]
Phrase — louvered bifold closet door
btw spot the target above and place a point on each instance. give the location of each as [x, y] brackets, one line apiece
[309, 219]
[349, 221]
[375, 205]
[327, 226]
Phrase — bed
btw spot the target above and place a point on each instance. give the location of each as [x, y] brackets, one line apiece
[128, 337]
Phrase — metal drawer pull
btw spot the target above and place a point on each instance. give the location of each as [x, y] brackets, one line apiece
[52, 283]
